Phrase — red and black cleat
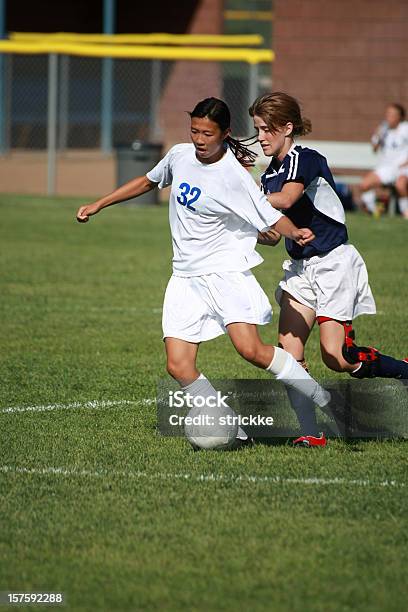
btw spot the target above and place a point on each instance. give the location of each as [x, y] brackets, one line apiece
[309, 441]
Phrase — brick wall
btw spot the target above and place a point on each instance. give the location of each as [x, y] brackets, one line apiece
[345, 60]
[190, 82]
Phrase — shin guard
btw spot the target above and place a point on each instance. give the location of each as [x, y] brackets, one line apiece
[373, 363]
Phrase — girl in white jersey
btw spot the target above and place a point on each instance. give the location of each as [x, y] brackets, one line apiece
[216, 212]
[390, 142]
[326, 280]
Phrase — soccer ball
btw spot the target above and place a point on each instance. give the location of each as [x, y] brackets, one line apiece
[211, 428]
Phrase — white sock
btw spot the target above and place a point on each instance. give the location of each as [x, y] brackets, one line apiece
[369, 198]
[202, 386]
[403, 205]
[290, 372]
[305, 412]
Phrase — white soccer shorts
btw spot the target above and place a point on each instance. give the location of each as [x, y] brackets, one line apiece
[402, 171]
[198, 308]
[387, 173]
[334, 285]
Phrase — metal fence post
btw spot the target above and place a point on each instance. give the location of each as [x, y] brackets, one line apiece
[109, 14]
[154, 130]
[106, 111]
[63, 102]
[52, 122]
[8, 83]
[392, 203]
[252, 91]
[2, 80]
[2, 106]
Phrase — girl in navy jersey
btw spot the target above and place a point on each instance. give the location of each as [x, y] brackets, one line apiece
[216, 212]
[326, 279]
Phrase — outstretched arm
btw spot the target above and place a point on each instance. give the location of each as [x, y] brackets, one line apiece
[129, 190]
[302, 236]
[269, 238]
[377, 139]
[284, 199]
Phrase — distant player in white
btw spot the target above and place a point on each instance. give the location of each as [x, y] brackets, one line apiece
[390, 142]
[216, 211]
[325, 280]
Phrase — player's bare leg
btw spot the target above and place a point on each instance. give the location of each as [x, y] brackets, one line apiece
[246, 340]
[295, 324]
[401, 186]
[181, 360]
[367, 188]
[370, 181]
[331, 345]
[358, 361]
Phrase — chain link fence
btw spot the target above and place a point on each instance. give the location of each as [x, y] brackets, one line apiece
[103, 102]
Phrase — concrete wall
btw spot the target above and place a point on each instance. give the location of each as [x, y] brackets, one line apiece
[79, 173]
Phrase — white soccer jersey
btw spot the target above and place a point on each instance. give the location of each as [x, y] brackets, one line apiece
[215, 210]
[394, 145]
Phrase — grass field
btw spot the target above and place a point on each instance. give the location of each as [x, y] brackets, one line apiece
[97, 505]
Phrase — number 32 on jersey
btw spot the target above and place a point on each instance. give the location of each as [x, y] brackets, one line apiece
[188, 195]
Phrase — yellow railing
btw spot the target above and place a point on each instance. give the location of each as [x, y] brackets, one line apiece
[239, 40]
[215, 54]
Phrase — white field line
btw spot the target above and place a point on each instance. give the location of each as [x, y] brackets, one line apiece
[134, 309]
[92, 404]
[243, 478]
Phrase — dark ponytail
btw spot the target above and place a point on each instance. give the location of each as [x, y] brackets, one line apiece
[244, 155]
[216, 110]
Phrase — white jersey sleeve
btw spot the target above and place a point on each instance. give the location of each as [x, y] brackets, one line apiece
[248, 202]
[162, 173]
[394, 145]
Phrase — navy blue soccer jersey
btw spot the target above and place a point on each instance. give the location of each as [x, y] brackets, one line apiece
[319, 208]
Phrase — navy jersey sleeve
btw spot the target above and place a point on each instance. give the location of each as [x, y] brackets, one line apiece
[304, 166]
